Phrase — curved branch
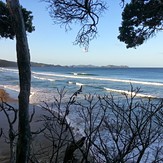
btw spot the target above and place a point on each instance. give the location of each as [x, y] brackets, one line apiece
[86, 13]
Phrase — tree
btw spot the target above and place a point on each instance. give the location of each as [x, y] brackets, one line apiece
[141, 20]
[113, 129]
[85, 12]
[6, 30]
[14, 21]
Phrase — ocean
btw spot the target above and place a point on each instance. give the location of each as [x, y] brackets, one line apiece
[100, 81]
[96, 81]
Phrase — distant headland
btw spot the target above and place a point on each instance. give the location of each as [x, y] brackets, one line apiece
[6, 63]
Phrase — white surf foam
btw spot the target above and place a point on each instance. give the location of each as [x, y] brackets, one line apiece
[41, 78]
[8, 69]
[75, 74]
[69, 82]
[129, 93]
[80, 73]
[76, 83]
[102, 79]
[12, 87]
[79, 84]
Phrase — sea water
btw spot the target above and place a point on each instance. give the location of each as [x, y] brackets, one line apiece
[46, 80]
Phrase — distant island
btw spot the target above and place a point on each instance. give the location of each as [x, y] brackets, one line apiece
[93, 66]
[5, 63]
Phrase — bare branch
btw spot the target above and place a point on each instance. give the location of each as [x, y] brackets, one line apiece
[84, 12]
[31, 117]
[1, 132]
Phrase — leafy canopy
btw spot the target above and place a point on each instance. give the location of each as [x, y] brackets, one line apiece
[6, 29]
[141, 19]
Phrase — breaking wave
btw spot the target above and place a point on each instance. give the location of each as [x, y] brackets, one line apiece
[81, 74]
[42, 78]
[130, 93]
[102, 79]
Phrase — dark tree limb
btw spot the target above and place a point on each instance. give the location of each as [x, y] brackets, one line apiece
[86, 13]
[23, 60]
[71, 149]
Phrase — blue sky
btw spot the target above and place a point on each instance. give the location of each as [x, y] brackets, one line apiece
[49, 43]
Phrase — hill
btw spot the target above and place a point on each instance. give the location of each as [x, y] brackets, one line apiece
[5, 63]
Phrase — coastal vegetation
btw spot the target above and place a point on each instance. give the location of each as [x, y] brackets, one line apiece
[141, 20]
[6, 29]
[130, 134]
[111, 129]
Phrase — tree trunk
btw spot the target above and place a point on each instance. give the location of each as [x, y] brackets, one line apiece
[23, 60]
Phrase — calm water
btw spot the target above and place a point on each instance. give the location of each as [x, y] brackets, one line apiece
[46, 80]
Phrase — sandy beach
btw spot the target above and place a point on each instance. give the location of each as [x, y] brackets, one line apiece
[36, 125]
[40, 142]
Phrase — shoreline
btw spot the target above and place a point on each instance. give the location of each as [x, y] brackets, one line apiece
[36, 125]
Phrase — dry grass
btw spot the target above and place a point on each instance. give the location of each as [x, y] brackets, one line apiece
[4, 96]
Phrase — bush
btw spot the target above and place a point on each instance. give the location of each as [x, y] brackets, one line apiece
[127, 129]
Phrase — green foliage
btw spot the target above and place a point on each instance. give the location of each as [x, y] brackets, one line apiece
[141, 20]
[6, 29]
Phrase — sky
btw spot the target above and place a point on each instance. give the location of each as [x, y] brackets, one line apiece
[49, 43]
